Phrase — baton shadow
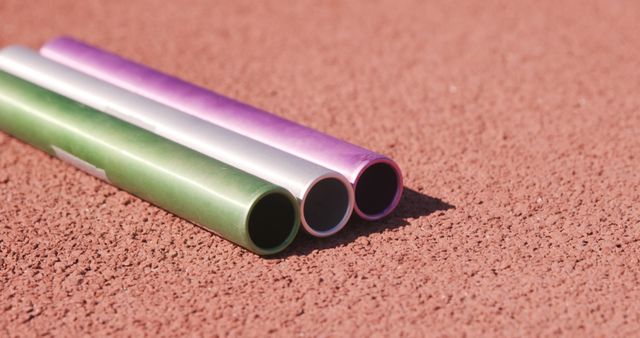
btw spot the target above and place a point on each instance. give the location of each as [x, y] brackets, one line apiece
[413, 204]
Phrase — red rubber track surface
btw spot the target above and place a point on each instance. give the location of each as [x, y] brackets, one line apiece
[517, 125]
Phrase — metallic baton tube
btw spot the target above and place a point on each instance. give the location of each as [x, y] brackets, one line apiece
[377, 180]
[240, 207]
[326, 197]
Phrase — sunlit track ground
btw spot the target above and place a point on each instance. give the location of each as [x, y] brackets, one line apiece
[517, 127]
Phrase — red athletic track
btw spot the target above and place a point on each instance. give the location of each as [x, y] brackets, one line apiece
[517, 126]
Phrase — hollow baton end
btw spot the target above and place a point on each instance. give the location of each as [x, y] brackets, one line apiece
[378, 189]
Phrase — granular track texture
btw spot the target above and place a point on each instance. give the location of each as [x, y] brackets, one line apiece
[517, 125]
